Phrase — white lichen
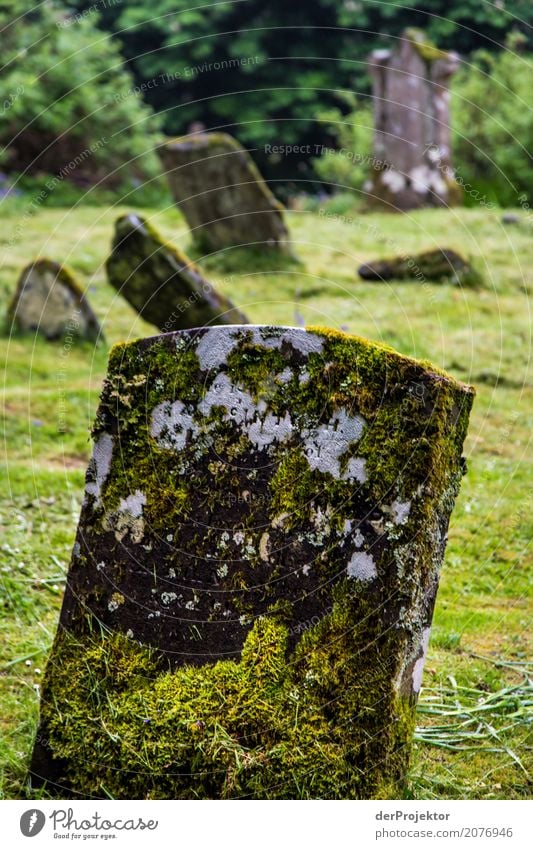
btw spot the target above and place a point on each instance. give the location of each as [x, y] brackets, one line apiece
[167, 598]
[355, 470]
[133, 504]
[418, 668]
[325, 445]
[400, 511]
[362, 567]
[214, 347]
[171, 425]
[100, 466]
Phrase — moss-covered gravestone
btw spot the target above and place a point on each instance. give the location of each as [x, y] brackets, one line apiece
[48, 299]
[162, 283]
[221, 193]
[252, 584]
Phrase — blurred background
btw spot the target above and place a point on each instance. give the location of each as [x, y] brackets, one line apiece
[270, 73]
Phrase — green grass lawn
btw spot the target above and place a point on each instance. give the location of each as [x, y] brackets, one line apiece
[472, 737]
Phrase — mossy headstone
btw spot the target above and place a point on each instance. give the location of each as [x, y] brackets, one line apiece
[412, 164]
[251, 588]
[49, 300]
[439, 265]
[222, 195]
[165, 287]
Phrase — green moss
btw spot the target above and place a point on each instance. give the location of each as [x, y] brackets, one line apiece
[424, 47]
[269, 726]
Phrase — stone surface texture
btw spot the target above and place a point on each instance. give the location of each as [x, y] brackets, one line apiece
[49, 300]
[252, 584]
[223, 196]
[412, 154]
[165, 287]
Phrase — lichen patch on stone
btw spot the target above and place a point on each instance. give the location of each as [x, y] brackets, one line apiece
[99, 466]
[362, 567]
[419, 664]
[325, 445]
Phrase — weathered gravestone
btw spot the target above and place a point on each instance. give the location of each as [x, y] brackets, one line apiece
[412, 155]
[161, 282]
[49, 300]
[221, 193]
[439, 265]
[251, 589]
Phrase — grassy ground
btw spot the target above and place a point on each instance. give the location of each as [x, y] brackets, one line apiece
[472, 738]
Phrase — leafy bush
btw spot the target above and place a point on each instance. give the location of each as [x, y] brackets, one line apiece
[492, 118]
[68, 106]
[346, 166]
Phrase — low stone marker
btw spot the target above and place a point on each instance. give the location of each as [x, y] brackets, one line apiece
[251, 588]
[222, 195]
[48, 299]
[162, 283]
[412, 151]
[440, 265]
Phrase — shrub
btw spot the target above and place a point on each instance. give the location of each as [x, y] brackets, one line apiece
[492, 116]
[68, 105]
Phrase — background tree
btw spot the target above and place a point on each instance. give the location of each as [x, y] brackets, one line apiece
[67, 103]
[493, 127]
[306, 53]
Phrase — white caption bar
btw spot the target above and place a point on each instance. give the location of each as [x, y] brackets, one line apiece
[277, 825]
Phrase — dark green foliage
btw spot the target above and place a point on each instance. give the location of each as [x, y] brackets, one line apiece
[323, 46]
[63, 114]
[492, 111]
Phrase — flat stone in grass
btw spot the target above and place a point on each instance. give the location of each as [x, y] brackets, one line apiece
[48, 299]
[440, 265]
[222, 195]
[251, 589]
[160, 282]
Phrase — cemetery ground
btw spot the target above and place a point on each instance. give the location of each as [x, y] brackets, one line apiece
[472, 736]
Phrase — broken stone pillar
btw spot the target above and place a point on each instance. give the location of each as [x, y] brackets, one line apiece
[48, 299]
[252, 584]
[160, 282]
[412, 154]
[221, 193]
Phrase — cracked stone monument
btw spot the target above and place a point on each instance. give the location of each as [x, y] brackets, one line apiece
[412, 150]
[251, 589]
[48, 299]
[165, 287]
[221, 193]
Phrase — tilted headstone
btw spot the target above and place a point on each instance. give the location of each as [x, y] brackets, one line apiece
[440, 265]
[412, 154]
[222, 195]
[48, 299]
[251, 588]
[162, 283]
